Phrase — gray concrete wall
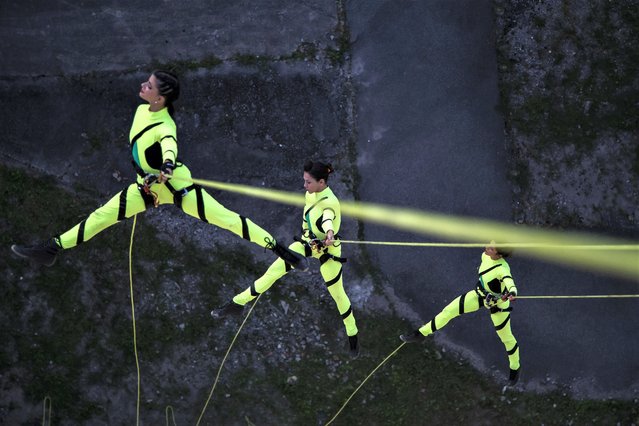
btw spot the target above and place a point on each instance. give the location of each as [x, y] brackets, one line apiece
[42, 37]
[430, 137]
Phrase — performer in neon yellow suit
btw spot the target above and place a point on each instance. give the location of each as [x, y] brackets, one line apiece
[154, 147]
[320, 225]
[495, 290]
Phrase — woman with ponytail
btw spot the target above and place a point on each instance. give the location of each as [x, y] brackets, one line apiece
[154, 150]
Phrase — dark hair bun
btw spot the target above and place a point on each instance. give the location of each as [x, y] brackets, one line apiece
[318, 170]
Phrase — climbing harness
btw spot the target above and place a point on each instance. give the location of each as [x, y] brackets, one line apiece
[179, 194]
[150, 197]
[318, 245]
[495, 309]
[327, 256]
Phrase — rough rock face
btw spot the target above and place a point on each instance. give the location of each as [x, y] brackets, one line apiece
[570, 85]
[242, 119]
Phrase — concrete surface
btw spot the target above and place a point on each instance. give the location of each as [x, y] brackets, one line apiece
[43, 37]
[430, 137]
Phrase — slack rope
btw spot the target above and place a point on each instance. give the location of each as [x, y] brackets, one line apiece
[518, 297]
[364, 381]
[545, 244]
[46, 411]
[169, 416]
[224, 360]
[135, 341]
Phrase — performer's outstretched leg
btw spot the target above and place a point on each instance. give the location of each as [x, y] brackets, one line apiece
[198, 203]
[277, 270]
[124, 204]
[468, 302]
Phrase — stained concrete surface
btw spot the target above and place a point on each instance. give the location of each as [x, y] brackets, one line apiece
[430, 137]
[42, 37]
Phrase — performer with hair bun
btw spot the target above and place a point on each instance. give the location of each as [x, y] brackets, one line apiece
[320, 224]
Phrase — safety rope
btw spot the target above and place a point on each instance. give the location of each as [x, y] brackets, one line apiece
[46, 411]
[168, 414]
[511, 245]
[135, 340]
[584, 296]
[364, 381]
[545, 244]
[219, 371]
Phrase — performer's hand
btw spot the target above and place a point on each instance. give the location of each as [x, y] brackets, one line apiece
[490, 300]
[166, 171]
[164, 177]
[511, 296]
[330, 238]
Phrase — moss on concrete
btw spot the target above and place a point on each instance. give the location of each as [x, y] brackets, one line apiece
[71, 332]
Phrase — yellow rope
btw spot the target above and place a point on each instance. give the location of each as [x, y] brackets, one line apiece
[135, 341]
[224, 359]
[513, 245]
[545, 244]
[585, 296]
[167, 411]
[362, 384]
[46, 411]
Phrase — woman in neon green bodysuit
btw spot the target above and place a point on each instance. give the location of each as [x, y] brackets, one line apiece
[495, 290]
[320, 225]
[153, 142]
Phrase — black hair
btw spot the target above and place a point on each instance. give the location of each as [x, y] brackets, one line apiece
[318, 170]
[169, 87]
[504, 251]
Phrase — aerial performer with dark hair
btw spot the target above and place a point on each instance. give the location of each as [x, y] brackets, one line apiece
[320, 224]
[495, 290]
[154, 147]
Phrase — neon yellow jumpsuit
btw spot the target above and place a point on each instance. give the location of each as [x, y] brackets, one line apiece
[321, 214]
[153, 140]
[495, 279]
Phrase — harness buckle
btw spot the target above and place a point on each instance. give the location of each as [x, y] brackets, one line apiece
[149, 180]
[316, 244]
